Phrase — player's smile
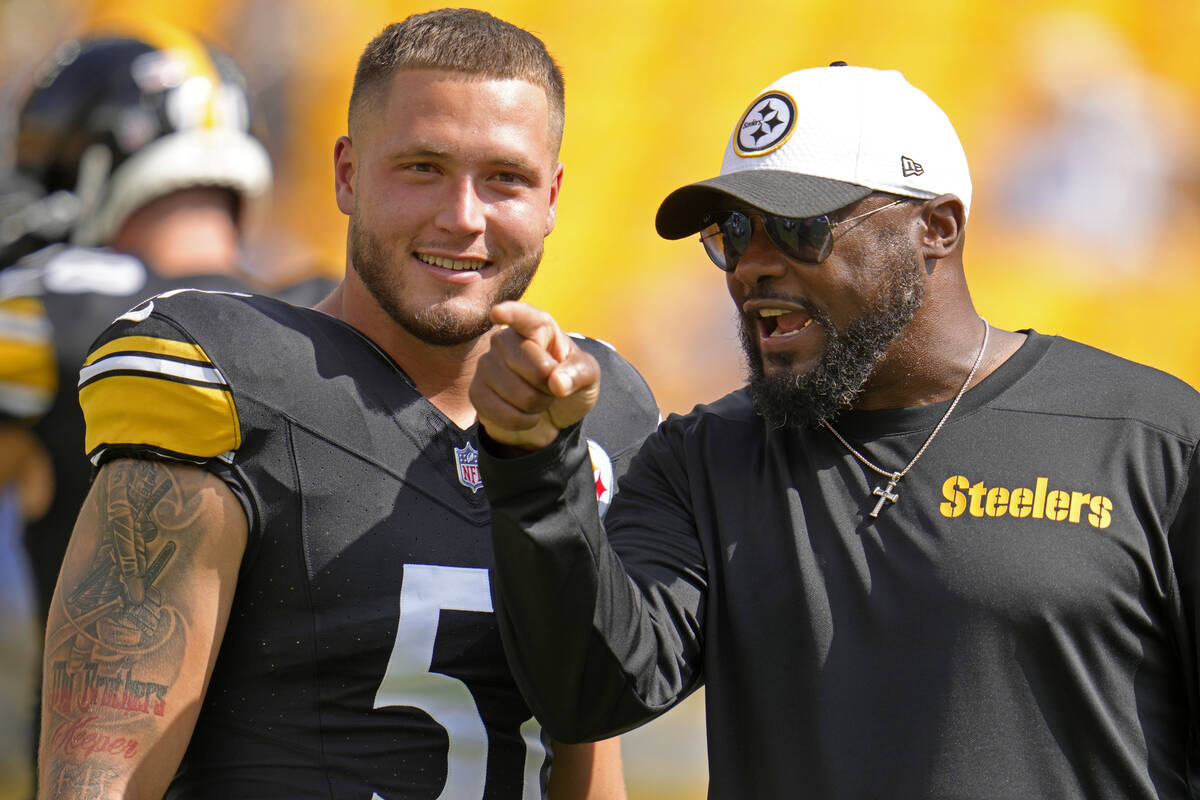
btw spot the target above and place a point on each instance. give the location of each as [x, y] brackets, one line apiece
[454, 269]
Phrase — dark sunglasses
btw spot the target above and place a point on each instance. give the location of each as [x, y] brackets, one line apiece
[727, 235]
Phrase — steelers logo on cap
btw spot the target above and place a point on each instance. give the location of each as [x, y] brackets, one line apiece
[766, 125]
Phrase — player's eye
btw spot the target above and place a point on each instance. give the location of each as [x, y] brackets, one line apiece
[512, 177]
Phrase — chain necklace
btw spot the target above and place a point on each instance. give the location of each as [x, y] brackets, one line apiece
[889, 494]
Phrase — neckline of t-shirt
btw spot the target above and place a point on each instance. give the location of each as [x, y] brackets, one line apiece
[902, 421]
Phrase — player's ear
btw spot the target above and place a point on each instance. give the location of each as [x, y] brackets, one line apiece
[344, 169]
[942, 221]
[552, 211]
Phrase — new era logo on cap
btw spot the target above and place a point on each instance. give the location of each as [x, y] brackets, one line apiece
[910, 167]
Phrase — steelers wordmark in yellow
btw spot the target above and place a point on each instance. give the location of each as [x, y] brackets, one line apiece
[1039, 502]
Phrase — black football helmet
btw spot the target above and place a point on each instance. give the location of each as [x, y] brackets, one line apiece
[115, 121]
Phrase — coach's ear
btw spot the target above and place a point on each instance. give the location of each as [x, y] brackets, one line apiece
[344, 169]
[942, 223]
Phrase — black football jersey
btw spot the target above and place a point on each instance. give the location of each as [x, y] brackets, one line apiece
[361, 658]
[53, 304]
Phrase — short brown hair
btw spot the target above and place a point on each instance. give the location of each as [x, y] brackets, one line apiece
[459, 40]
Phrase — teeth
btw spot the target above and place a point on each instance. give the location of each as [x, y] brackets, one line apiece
[449, 263]
[779, 312]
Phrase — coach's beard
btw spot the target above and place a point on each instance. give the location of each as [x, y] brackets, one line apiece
[819, 394]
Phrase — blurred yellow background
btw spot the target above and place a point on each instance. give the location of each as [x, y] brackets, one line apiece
[1080, 120]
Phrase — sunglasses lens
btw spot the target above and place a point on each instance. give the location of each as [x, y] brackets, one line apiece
[807, 240]
[727, 238]
[714, 244]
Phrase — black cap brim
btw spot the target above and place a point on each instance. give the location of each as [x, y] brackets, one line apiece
[788, 194]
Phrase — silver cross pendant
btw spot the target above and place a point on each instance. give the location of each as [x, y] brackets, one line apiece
[885, 495]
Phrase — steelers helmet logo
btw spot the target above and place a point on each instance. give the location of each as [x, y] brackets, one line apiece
[602, 474]
[766, 125]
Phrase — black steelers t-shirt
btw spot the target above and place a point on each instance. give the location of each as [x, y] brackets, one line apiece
[1020, 623]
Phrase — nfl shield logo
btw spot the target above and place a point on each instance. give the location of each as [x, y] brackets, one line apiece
[467, 458]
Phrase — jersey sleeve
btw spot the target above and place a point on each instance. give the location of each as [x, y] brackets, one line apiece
[147, 388]
[28, 365]
[600, 637]
[1184, 538]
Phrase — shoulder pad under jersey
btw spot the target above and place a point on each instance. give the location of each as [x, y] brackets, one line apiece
[625, 414]
[624, 385]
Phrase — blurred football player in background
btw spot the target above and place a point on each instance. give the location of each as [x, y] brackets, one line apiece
[135, 172]
[139, 169]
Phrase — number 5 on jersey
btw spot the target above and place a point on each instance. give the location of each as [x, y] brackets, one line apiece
[426, 592]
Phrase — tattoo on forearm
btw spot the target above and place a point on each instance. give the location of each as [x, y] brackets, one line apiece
[84, 781]
[116, 638]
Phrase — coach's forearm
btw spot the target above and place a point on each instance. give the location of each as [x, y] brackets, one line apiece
[559, 593]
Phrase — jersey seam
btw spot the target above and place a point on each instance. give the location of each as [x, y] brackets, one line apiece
[306, 558]
[254, 396]
[1191, 441]
[1181, 491]
[295, 423]
[1179, 632]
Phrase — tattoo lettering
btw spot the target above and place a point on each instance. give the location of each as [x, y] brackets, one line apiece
[115, 641]
[84, 691]
[76, 740]
[84, 781]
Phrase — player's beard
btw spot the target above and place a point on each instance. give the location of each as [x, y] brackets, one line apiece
[850, 355]
[436, 324]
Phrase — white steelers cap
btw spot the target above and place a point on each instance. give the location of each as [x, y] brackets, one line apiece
[820, 139]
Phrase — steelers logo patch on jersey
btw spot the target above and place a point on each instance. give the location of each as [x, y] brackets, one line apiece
[602, 474]
[766, 125]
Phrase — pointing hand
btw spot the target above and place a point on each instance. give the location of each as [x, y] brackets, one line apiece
[534, 381]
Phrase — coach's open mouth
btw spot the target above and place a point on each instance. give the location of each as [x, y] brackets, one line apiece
[778, 323]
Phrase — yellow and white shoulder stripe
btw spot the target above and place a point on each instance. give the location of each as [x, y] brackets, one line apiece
[166, 394]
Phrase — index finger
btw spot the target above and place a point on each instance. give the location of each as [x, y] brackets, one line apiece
[535, 325]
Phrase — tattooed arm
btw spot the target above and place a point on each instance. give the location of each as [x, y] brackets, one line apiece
[134, 628]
